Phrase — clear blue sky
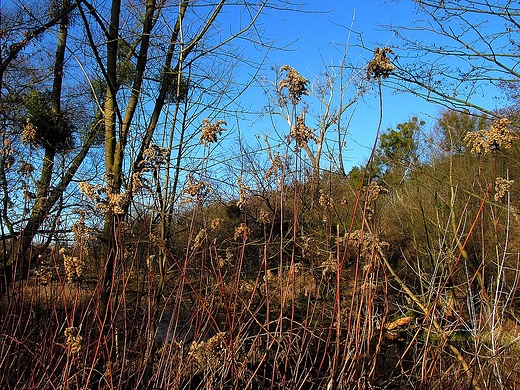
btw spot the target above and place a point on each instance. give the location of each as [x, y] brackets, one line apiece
[319, 36]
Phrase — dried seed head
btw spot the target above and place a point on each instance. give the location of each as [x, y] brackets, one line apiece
[149, 261]
[329, 267]
[91, 191]
[372, 192]
[276, 165]
[199, 238]
[114, 203]
[325, 199]
[208, 354]
[380, 66]
[155, 156]
[498, 135]
[306, 245]
[300, 132]
[215, 223]
[73, 266]
[196, 187]
[229, 255]
[242, 232]
[82, 232]
[265, 216]
[73, 339]
[501, 187]
[140, 182]
[365, 243]
[29, 132]
[110, 202]
[45, 273]
[242, 192]
[210, 131]
[295, 84]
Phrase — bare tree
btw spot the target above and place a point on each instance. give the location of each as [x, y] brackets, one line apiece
[458, 52]
[47, 127]
[31, 30]
[331, 96]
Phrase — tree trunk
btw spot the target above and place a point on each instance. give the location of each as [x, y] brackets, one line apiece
[19, 256]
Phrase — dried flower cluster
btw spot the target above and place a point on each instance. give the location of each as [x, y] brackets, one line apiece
[210, 131]
[265, 216]
[242, 232]
[139, 181]
[7, 152]
[196, 187]
[501, 187]
[91, 191]
[207, 355]
[372, 192]
[295, 84]
[155, 156]
[301, 133]
[29, 132]
[73, 339]
[306, 246]
[329, 267]
[229, 256]
[498, 135]
[215, 223]
[325, 199]
[149, 261]
[228, 260]
[242, 193]
[276, 165]
[199, 238]
[81, 231]
[45, 273]
[364, 243]
[380, 66]
[111, 202]
[73, 266]
[114, 203]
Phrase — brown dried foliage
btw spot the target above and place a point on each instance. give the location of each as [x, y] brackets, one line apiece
[295, 84]
[380, 66]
